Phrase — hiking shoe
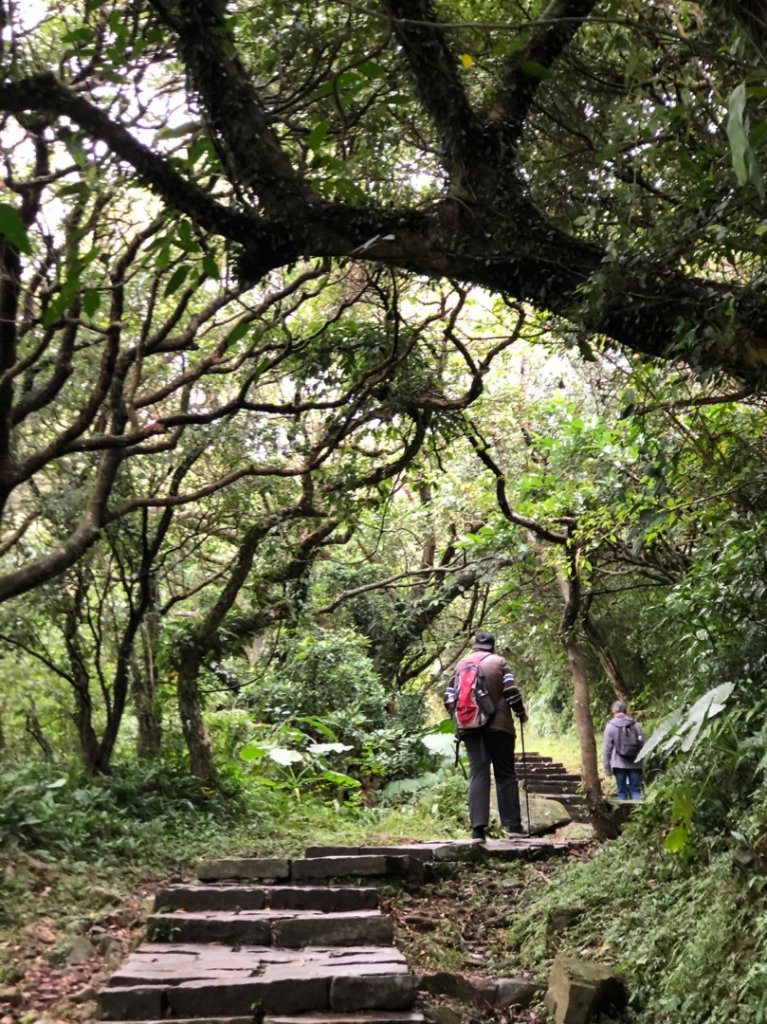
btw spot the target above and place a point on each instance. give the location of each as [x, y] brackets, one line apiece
[479, 834]
[516, 832]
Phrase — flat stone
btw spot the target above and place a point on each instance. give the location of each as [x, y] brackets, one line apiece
[130, 1003]
[354, 866]
[421, 851]
[467, 988]
[385, 991]
[517, 992]
[350, 929]
[211, 897]
[251, 926]
[292, 928]
[353, 1017]
[161, 964]
[328, 898]
[245, 867]
[232, 897]
[295, 994]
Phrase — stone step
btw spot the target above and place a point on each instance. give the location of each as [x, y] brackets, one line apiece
[422, 851]
[272, 869]
[363, 865]
[328, 898]
[554, 780]
[310, 869]
[201, 1020]
[163, 981]
[360, 1017]
[543, 786]
[356, 1017]
[563, 798]
[291, 929]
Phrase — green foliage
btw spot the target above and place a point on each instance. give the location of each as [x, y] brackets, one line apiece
[686, 935]
[324, 688]
[133, 815]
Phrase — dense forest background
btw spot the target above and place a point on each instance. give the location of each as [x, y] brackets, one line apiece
[330, 333]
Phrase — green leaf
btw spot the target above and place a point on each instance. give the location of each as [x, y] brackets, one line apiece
[317, 135]
[252, 752]
[535, 70]
[663, 730]
[737, 133]
[91, 301]
[12, 228]
[683, 805]
[340, 779]
[210, 266]
[177, 278]
[677, 840]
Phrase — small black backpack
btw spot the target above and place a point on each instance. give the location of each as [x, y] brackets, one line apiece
[628, 741]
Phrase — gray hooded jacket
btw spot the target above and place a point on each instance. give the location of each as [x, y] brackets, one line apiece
[612, 759]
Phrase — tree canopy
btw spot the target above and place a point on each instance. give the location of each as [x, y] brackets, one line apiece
[597, 160]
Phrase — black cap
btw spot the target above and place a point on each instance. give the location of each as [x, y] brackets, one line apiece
[485, 641]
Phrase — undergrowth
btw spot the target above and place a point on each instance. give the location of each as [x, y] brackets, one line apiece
[686, 934]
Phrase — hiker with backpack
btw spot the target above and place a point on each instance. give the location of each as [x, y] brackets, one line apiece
[481, 696]
[623, 741]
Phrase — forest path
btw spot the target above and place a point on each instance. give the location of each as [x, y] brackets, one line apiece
[284, 941]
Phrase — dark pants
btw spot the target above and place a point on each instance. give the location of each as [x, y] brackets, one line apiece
[497, 748]
[629, 783]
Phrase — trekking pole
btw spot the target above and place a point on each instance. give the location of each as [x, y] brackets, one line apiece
[524, 768]
[458, 760]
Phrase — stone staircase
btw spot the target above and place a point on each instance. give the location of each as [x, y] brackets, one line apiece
[280, 941]
[543, 777]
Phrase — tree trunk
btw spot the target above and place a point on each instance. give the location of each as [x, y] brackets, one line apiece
[584, 723]
[192, 722]
[145, 702]
[569, 580]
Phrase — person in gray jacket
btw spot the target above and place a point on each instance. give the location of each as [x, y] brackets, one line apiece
[623, 741]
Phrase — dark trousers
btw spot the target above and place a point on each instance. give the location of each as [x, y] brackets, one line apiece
[629, 783]
[484, 749]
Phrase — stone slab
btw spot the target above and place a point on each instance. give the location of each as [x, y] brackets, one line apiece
[421, 851]
[357, 1017]
[327, 898]
[291, 928]
[245, 867]
[167, 963]
[163, 980]
[234, 897]
[369, 927]
[353, 866]
[309, 991]
[207, 1020]
[386, 991]
[211, 897]
[251, 926]
[117, 1002]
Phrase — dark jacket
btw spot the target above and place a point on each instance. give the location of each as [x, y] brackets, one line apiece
[612, 759]
[502, 688]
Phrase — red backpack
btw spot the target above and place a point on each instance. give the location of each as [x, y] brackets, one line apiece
[474, 707]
